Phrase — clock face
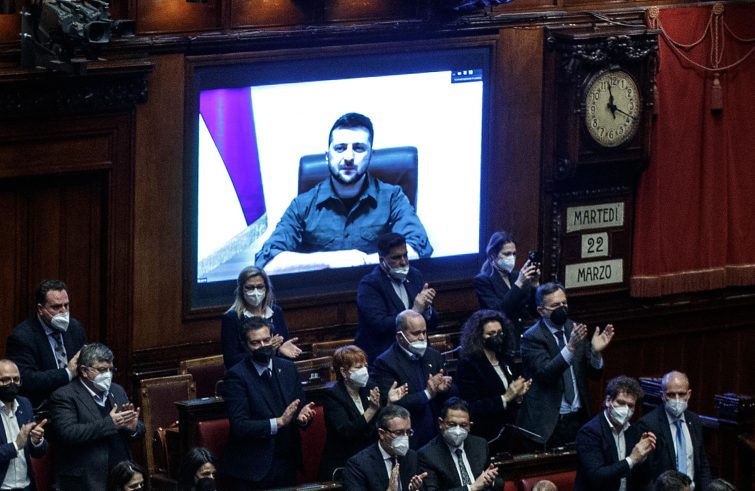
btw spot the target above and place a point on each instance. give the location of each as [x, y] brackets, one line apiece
[612, 108]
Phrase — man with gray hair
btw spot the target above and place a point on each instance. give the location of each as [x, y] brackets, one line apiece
[94, 423]
[410, 361]
[389, 464]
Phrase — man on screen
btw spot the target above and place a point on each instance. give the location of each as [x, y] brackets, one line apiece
[337, 223]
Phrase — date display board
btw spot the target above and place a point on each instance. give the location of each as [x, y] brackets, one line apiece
[595, 244]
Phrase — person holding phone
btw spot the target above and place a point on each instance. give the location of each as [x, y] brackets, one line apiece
[501, 287]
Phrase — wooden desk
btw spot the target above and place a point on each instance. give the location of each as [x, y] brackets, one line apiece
[515, 467]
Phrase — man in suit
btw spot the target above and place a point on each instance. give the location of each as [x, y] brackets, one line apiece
[556, 356]
[677, 428]
[410, 361]
[94, 423]
[392, 287]
[20, 436]
[265, 403]
[611, 452]
[389, 464]
[456, 460]
[46, 346]
[501, 287]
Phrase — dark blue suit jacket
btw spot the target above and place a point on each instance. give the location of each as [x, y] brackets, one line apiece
[366, 470]
[394, 365]
[250, 449]
[230, 335]
[378, 307]
[442, 469]
[28, 346]
[543, 363]
[599, 468]
[8, 451]
[664, 456]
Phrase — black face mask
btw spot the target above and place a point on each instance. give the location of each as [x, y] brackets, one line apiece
[494, 343]
[263, 355]
[205, 484]
[559, 316]
[8, 392]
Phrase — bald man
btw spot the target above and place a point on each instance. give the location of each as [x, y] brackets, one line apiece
[679, 433]
[20, 436]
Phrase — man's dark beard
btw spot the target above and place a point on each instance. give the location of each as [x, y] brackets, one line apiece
[338, 177]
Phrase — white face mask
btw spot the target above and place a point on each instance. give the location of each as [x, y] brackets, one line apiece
[676, 407]
[399, 273]
[417, 347]
[255, 297]
[507, 263]
[400, 445]
[620, 415]
[103, 381]
[455, 436]
[360, 376]
[59, 322]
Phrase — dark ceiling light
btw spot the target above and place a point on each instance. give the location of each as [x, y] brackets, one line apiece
[196, 1]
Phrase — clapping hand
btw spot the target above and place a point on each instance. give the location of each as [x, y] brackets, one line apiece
[643, 447]
[306, 414]
[517, 389]
[289, 348]
[578, 334]
[375, 397]
[424, 298]
[415, 483]
[601, 339]
[486, 479]
[397, 392]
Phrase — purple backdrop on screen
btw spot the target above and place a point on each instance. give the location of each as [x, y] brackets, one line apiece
[228, 116]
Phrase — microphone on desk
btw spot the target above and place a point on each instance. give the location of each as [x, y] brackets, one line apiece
[530, 435]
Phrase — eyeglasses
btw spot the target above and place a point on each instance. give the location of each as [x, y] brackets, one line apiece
[9, 380]
[409, 432]
[254, 343]
[103, 369]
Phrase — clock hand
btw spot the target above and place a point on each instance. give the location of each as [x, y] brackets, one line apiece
[625, 114]
[611, 105]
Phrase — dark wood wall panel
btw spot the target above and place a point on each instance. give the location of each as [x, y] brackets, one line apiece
[351, 10]
[58, 225]
[50, 154]
[271, 13]
[175, 15]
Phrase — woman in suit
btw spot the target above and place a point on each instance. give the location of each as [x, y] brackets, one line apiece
[254, 298]
[485, 373]
[350, 406]
[501, 287]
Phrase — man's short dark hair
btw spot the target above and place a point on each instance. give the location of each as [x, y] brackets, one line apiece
[545, 290]
[253, 323]
[47, 285]
[720, 485]
[388, 241]
[92, 353]
[453, 404]
[622, 383]
[351, 121]
[389, 412]
[672, 480]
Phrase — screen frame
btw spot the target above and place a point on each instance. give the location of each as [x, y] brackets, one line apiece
[216, 296]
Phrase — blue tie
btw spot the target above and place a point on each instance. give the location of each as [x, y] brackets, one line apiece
[681, 448]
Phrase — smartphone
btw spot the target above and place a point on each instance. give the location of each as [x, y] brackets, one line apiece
[535, 258]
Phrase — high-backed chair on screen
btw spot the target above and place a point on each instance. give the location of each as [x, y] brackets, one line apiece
[397, 165]
[206, 372]
[161, 443]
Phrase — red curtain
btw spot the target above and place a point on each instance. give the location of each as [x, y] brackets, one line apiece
[695, 208]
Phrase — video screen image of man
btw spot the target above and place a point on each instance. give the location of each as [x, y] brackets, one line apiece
[336, 223]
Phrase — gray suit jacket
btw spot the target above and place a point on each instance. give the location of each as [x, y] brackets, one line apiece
[81, 436]
[543, 363]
